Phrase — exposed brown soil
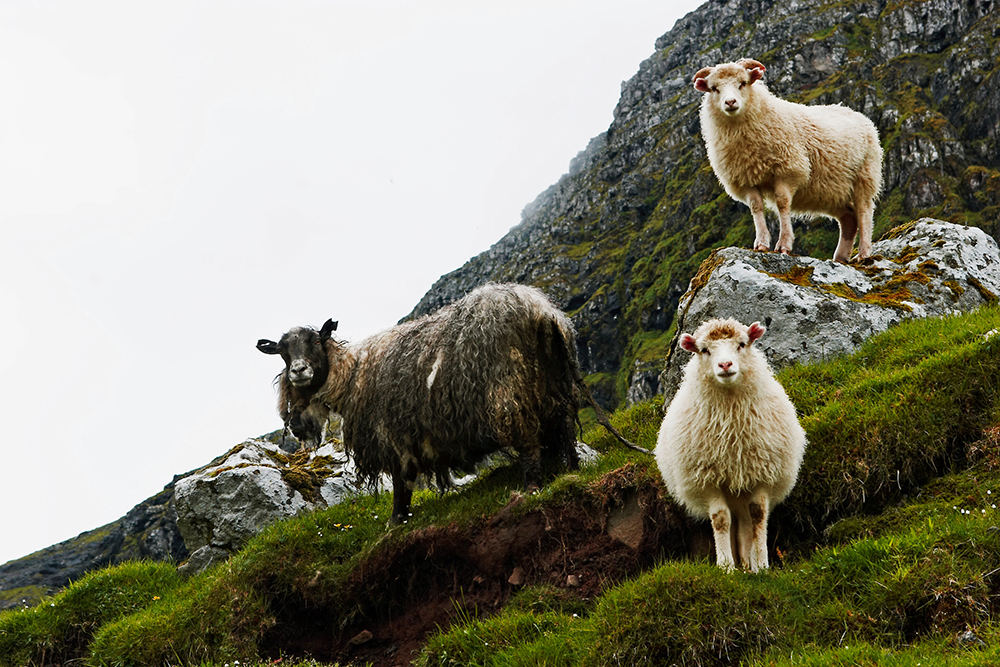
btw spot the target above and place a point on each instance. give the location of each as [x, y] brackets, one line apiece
[437, 573]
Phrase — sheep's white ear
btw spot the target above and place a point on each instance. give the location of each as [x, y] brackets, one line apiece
[328, 328]
[755, 331]
[689, 343]
[700, 82]
[267, 346]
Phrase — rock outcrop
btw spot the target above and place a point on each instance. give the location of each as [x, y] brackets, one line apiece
[815, 309]
[617, 239]
[256, 483]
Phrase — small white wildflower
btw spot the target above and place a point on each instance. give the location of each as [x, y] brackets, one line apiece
[988, 492]
[984, 511]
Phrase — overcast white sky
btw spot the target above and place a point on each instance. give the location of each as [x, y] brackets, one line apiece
[179, 179]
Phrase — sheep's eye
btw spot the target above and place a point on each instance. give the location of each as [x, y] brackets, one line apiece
[704, 350]
[742, 83]
[715, 89]
[742, 345]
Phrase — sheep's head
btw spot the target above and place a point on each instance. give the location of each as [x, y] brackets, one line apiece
[721, 347]
[729, 84]
[303, 350]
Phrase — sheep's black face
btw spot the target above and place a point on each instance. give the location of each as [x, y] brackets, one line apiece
[304, 353]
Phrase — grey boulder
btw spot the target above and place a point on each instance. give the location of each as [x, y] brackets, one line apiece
[815, 309]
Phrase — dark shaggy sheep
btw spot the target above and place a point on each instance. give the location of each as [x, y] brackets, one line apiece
[495, 370]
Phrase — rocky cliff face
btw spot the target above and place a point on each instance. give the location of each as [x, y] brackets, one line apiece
[617, 239]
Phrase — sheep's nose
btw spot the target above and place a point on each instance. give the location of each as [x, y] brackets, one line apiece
[725, 365]
[731, 103]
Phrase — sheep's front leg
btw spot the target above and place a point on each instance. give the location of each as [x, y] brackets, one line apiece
[722, 521]
[763, 236]
[866, 213]
[744, 531]
[783, 202]
[758, 509]
[402, 493]
[531, 462]
[848, 231]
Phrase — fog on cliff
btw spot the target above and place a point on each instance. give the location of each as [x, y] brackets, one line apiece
[180, 179]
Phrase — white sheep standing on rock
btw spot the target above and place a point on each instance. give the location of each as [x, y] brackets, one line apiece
[813, 160]
[730, 445]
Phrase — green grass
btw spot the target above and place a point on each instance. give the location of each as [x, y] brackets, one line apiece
[876, 566]
[894, 414]
[60, 629]
[917, 400]
[921, 584]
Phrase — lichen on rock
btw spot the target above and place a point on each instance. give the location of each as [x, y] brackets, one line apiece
[815, 309]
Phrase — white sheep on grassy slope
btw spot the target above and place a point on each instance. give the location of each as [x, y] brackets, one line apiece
[730, 445]
[813, 160]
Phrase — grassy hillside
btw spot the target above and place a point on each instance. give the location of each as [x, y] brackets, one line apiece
[887, 552]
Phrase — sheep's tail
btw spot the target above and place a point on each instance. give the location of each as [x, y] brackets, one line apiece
[603, 420]
[567, 340]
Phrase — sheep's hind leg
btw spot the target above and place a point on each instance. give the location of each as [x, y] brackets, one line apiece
[783, 202]
[848, 231]
[722, 520]
[763, 236]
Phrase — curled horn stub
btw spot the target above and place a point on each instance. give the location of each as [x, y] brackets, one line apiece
[750, 63]
[702, 73]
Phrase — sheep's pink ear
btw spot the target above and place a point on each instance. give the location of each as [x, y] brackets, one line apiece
[328, 328]
[267, 346]
[689, 343]
[700, 79]
[755, 331]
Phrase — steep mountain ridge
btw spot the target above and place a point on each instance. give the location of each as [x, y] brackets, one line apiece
[617, 239]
